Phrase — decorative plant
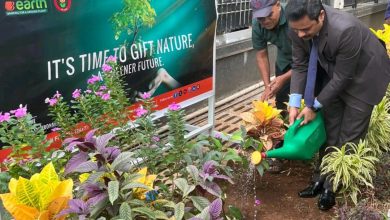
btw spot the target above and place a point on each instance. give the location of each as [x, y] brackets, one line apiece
[264, 122]
[42, 196]
[61, 113]
[112, 189]
[203, 208]
[145, 132]
[20, 132]
[378, 135]
[351, 167]
[211, 148]
[205, 178]
[103, 105]
[30, 165]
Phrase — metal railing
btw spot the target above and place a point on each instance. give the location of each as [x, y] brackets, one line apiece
[235, 15]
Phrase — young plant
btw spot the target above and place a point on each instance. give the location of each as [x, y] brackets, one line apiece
[378, 135]
[111, 189]
[103, 105]
[206, 177]
[150, 145]
[20, 132]
[350, 168]
[264, 123]
[61, 113]
[42, 196]
[203, 208]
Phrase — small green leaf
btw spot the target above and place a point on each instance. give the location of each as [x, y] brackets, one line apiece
[113, 191]
[199, 202]
[260, 169]
[182, 184]
[235, 212]
[125, 212]
[145, 211]
[179, 211]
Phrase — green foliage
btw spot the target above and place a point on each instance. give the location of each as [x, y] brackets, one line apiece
[378, 135]
[134, 15]
[19, 133]
[62, 116]
[351, 167]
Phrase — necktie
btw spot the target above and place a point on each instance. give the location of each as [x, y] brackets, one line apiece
[311, 74]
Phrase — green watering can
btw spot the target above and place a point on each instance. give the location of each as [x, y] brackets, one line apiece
[301, 142]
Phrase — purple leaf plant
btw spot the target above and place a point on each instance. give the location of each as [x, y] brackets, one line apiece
[81, 162]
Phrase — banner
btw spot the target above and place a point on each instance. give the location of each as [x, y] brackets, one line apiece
[164, 46]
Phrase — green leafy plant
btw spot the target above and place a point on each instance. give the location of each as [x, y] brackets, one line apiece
[378, 135]
[20, 132]
[113, 188]
[61, 113]
[350, 167]
[42, 196]
[145, 132]
[103, 105]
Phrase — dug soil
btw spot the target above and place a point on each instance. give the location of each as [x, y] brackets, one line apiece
[277, 194]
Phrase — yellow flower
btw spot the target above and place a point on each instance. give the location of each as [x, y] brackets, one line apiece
[145, 179]
[256, 157]
[83, 177]
[264, 112]
[43, 196]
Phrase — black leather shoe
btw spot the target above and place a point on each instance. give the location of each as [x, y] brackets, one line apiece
[327, 200]
[311, 191]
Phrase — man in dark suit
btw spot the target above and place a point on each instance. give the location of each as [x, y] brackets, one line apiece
[339, 66]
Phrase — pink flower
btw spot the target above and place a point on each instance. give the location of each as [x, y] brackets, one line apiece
[99, 93]
[140, 111]
[88, 91]
[76, 93]
[5, 117]
[145, 95]
[102, 88]
[106, 96]
[257, 202]
[57, 95]
[93, 79]
[106, 68]
[55, 129]
[20, 112]
[52, 101]
[155, 138]
[174, 107]
[111, 59]
[217, 135]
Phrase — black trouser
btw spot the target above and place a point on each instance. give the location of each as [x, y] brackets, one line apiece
[346, 120]
[281, 96]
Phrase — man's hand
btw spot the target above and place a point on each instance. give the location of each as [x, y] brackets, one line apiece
[277, 84]
[266, 94]
[308, 115]
[293, 114]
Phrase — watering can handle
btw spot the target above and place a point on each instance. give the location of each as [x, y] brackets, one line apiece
[294, 127]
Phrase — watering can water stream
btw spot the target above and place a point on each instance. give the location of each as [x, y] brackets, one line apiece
[301, 142]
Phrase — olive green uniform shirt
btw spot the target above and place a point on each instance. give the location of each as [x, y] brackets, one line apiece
[278, 36]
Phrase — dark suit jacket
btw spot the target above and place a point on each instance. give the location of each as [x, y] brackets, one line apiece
[354, 59]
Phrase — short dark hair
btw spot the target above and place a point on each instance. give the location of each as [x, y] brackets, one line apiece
[297, 9]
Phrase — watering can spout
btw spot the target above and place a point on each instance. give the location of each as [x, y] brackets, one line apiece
[301, 142]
